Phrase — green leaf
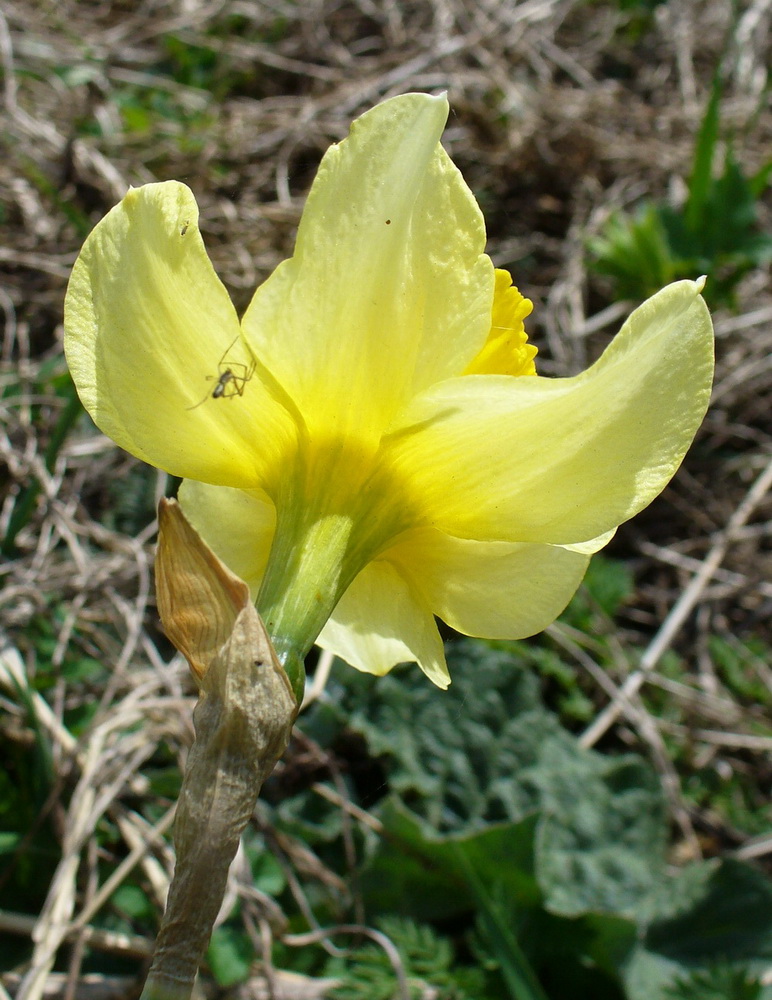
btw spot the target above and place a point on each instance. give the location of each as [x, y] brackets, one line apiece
[719, 912]
[515, 968]
[24, 504]
[716, 232]
[9, 841]
[487, 752]
[700, 180]
[133, 902]
[634, 251]
[267, 874]
[610, 583]
[567, 846]
[732, 918]
[602, 834]
[451, 755]
[416, 871]
[428, 961]
[722, 982]
[229, 955]
[761, 180]
[738, 666]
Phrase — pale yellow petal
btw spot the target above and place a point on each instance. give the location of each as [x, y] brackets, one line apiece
[379, 622]
[494, 590]
[389, 290]
[562, 461]
[150, 332]
[238, 525]
[592, 545]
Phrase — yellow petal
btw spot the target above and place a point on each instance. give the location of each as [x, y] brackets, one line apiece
[237, 524]
[562, 461]
[592, 545]
[389, 289]
[506, 351]
[495, 590]
[150, 331]
[379, 622]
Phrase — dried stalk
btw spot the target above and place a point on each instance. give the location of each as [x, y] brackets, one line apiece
[243, 722]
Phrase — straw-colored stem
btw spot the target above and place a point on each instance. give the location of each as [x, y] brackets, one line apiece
[243, 722]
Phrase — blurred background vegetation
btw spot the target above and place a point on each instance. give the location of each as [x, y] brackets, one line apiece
[585, 814]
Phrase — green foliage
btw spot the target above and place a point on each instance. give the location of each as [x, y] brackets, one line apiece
[738, 664]
[634, 252]
[267, 874]
[487, 751]
[428, 961]
[51, 191]
[715, 232]
[557, 854]
[451, 755]
[76, 666]
[722, 982]
[710, 912]
[229, 955]
[192, 65]
[133, 902]
[496, 928]
[29, 850]
[147, 110]
[608, 585]
[132, 500]
[512, 862]
[714, 910]
[735, 793]
[637, 6]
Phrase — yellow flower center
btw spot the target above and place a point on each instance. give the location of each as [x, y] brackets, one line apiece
[340, 501]
[506, 351]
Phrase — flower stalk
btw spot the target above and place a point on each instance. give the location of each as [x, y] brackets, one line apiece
[368, 448]
[243, 722]
[301, 588]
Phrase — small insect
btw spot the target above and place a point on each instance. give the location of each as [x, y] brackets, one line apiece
[231, 379]
[184, 227]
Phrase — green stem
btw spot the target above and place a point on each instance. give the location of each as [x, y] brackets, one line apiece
[306, 574]
[517, 971]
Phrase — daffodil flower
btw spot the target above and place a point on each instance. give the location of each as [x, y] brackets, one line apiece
[369, 447]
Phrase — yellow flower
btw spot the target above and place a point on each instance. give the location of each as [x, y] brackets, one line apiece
[364, 448]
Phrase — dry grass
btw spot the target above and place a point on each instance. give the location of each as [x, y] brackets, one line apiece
[559, 115]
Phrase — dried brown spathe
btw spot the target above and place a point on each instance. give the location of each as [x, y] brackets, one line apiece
[243, 722]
